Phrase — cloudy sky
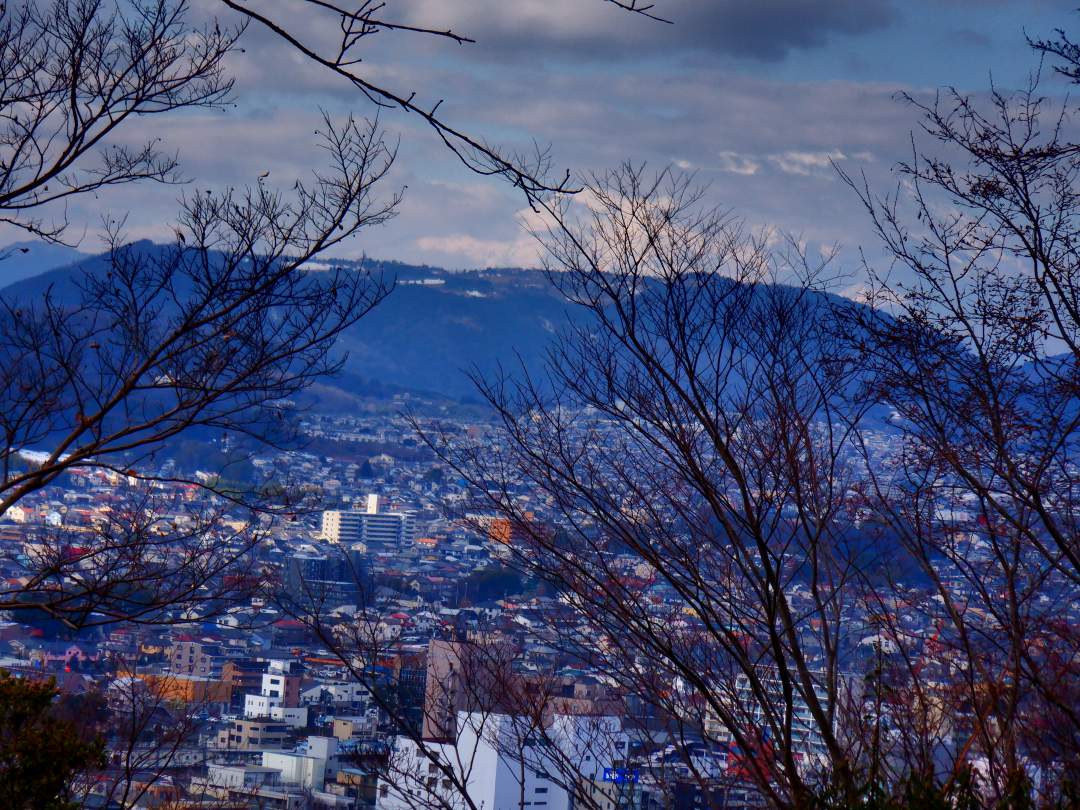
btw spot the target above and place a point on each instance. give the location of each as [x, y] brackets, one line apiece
[756, 96]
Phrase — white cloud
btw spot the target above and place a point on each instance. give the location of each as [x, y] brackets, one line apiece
[806, 163]
[468, 250]
[735, 163]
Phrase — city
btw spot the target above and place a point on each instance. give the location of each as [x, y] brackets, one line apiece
[548, 405]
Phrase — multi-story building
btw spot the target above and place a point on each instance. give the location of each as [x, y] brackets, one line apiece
[328, 575]
[503, 762]
[282, 681]
[444, 690]
[377, 530]
[338, 697]
[806, 735]
[353, 727]
[279, 695]
[187, 657]
[241, 778]
[244, 677]
[305, 766]
[254, 735]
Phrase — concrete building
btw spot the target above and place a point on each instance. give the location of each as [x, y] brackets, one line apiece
[355, 727]
[338, 697]
[504, 763]
[240, 777]
[459, 676]
[278, 697]
[249, 786]
[244, 677]
[307, 765]
[254, 735]
[377, 530]
[282, 681]
[806, 736]
[329, 575]
[188, 657]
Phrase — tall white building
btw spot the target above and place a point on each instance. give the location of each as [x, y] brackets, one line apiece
[379, 531]
[278, 697]
[806, 736]
[503, 766]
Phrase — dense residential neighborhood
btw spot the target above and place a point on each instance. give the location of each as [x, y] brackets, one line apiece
[275, 706]
[539, 405]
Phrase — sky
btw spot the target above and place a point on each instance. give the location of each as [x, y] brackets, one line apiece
[757, 97]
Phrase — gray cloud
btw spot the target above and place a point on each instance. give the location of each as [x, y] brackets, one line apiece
[763, 146]
[762, 140]
[765, 30]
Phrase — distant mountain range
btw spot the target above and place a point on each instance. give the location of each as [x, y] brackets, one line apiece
[424, 338]
[433, 327]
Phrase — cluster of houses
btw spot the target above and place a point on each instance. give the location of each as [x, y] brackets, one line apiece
[343, 684]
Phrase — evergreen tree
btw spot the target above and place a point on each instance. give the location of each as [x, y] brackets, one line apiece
[41, 753]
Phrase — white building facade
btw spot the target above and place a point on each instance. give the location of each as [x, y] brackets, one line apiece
[503, 765]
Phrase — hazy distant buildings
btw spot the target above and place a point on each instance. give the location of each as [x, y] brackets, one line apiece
[329, 575]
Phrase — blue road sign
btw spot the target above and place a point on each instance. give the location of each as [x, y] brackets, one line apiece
[621, 775]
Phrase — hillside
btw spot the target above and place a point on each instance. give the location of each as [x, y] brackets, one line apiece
[423, 337]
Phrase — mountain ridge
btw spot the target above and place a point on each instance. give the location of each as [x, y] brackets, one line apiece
[433, 327]
[426, 337]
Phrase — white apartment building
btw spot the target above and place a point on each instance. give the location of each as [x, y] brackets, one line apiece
[503, 766]
[307, 766]
[274, 694]
[377, 530]
[262, 706]
[806, 735]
